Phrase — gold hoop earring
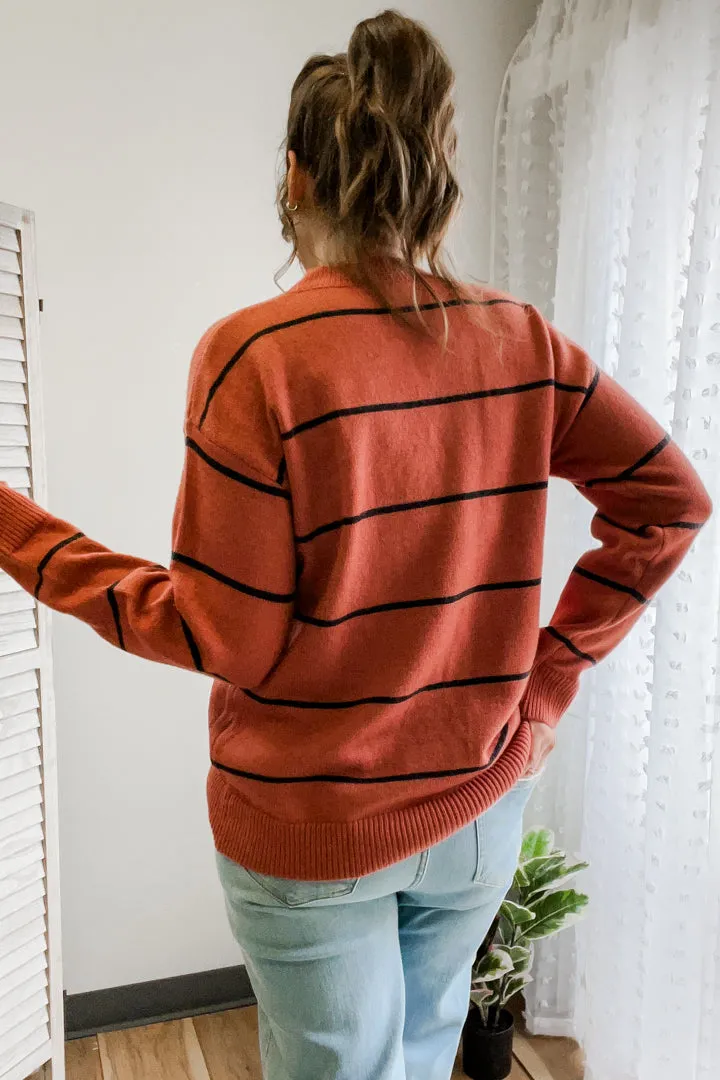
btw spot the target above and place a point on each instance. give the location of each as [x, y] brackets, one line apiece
[292, 209]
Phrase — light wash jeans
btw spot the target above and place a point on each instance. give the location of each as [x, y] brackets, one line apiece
[370, 979]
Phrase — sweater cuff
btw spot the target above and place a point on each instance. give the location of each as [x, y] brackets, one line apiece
[548, 695]
[19, 518]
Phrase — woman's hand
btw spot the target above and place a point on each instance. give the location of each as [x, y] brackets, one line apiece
[543, 743]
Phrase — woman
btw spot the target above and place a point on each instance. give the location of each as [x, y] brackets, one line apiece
[357, 559]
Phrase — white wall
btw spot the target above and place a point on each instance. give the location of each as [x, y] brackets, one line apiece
[145, 136]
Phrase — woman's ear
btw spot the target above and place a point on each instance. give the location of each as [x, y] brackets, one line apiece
[299, 184]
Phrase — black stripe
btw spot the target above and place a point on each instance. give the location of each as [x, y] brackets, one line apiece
[432, 601]
[611, 584]
[569, 645]
[425, 403]
[590, 390]
[395, 778]
[192, 645]
[441, 500]
[233, 474]
[641, 530]
[628, 473]
[112, 600]
[406, 309]
[282, 472]
[49, 555]
[250, 590]
[481, 680]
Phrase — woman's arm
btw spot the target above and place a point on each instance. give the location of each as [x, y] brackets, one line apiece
[650, 504]
[223, 607]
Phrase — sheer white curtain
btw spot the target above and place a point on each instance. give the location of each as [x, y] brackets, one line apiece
[608, 218]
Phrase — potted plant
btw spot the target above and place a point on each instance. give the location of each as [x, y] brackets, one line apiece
[538, 905]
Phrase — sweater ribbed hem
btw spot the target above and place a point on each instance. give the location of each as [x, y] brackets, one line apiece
[548, 696]
[19, 518]
[330, 851]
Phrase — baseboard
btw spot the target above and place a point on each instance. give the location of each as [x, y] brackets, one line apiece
[154, 1002]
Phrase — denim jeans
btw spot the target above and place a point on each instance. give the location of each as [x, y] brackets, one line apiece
[370, 979]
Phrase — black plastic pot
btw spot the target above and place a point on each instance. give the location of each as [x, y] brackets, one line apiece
[487, 1052]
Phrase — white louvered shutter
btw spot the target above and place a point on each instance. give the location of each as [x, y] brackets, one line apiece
[31, 1017]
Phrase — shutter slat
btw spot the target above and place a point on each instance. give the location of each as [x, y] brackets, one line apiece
[31, 1005]
[18, 684]
[13, 414]
[14, 434]
[15, 478]
[15, 845]
[25, 875]
[17, 725]
[18, 824]
[11, 328]
[17, 804]
[21, 918]
[10, 284]
[13, 785]
[31, 1002]
[28, 894]
[9, 261]
[15, 601]
[9, 239]
[18, 744]
[18, 1035]
[14, 457]
[21, 937]
[12, 622]
[18, 764]
[11, 306]
[33, 985]
[34, 966]
[11, 644]
[16, 705]
[13, 665]
[12, 361]
[29, 1055]
[20, 956]
[7, 584]
[14, 866]
[13, 392]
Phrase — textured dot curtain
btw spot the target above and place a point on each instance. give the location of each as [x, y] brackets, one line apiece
[608, 219]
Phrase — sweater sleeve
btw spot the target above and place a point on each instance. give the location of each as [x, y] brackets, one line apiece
[650, 504]
[224, 606]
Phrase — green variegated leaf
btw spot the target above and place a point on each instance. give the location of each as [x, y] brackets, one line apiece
[536, 843]
[542, 866]
[515, 913]
[555, 877]
[520, 955]
[554, 912]
[520, 881]
[480, 996]
[514, 986]
[493, 965]
[505, 932]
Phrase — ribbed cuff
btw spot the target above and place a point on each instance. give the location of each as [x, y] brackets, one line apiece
[549, 694]
[19, 518]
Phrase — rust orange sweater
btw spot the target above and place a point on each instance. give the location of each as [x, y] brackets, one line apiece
[357, 554]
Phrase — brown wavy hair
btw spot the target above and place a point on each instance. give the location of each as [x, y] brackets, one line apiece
[374, 129]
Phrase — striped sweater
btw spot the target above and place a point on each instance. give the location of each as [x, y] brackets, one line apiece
[357, 554]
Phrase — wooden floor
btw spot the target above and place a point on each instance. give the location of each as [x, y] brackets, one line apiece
[225, 1047]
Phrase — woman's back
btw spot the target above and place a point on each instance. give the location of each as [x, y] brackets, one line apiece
[395, 486]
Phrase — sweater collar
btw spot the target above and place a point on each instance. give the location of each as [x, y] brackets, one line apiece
[328, 277]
